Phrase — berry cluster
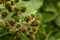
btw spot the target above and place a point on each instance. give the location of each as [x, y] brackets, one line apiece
[28, 26]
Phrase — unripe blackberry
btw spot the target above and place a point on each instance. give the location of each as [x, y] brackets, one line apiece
[16, 1]
[16, 9]
[23, 8]
[8, 5]
[12, 21]
[35, 23]
[4, 13]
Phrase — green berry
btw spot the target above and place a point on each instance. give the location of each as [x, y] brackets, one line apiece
[16, 9]
[8, 5]
[23, 8]
[4, 13]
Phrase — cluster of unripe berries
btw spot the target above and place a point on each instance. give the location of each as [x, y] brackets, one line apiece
[14, 27]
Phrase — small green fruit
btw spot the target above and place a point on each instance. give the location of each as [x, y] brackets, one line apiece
[8, 5]
[16, 9]
[4, 13]
[23, 8]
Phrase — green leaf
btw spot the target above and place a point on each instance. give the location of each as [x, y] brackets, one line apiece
[48, 16]
[3, 34]
[40, 36]
[52, 38]
[56, 36]
[35, 4]
[41, 29]
[50, 7]
[37, 36]
[29, 11]
[58, 20]
[39, 16]
[32, 4]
